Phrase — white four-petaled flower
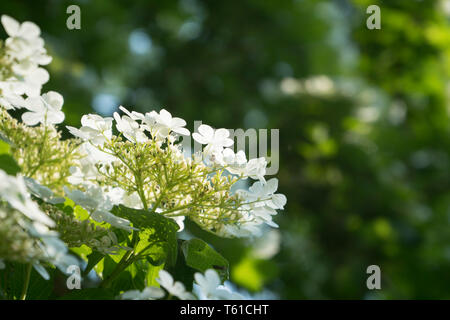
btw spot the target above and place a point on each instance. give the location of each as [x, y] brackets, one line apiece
[95, 129]
[45, 109]
[174, 288]
[130, 128]
[165, 124]
[149, 293]
[215, 140]
[256, 169]
[25, 45]
[265, 194]
[209, 287]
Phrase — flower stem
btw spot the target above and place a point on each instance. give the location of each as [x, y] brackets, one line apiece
[117, 270]
[26, 282]
[126, 260]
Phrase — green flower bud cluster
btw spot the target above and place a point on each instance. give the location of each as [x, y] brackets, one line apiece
[39, 151]
[16, 244]
[5, 64]
[178, 186]
[75, 232]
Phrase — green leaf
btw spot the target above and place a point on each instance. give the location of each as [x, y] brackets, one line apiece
[152, 275]
[93, 259]
[108, 266]
[83, 251]
[138, 272]
[201, 256]
[12, 279]
[157, 234]
[4, 147]
[181, 271]
[7, 162]
[133, 277]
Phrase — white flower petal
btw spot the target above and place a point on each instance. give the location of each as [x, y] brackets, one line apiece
[31, 118]
[29, 30]
[11, 25]
[54, 99]
[206, 131]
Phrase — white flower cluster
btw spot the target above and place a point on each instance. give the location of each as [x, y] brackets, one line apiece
[259, 203]
[217, 153]
[207, 286]
[15, 191]
[141, 167]
[23, 53]
[96, 131]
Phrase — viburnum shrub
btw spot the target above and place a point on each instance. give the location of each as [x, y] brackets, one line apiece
[112, 200]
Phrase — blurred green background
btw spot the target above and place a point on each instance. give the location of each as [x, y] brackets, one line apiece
[363, 118]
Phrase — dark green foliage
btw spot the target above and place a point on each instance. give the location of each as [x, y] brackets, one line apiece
[12, 280]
